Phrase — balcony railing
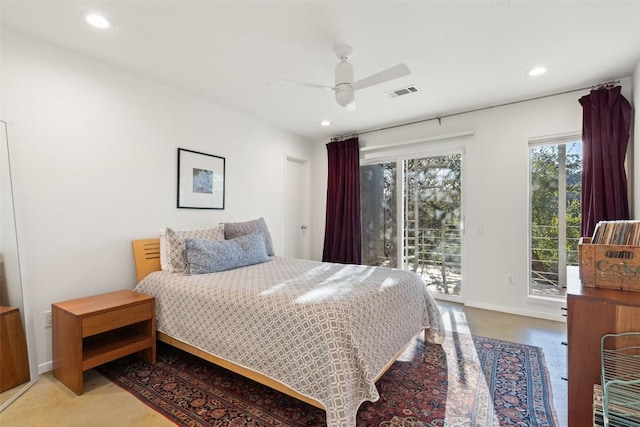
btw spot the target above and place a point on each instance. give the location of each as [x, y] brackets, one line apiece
[551, 258]
[435, 254]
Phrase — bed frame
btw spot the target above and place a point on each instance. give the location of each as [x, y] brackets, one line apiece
[146, 254]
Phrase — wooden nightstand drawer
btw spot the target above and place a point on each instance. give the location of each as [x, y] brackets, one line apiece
[115, 319]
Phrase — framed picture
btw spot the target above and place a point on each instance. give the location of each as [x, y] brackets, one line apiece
[200, 180]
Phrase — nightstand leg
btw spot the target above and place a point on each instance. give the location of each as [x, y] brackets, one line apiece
[67, 349]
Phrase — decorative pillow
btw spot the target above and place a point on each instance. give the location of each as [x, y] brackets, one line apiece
[165, 261]
[172, 245]
[209, 256]
[237, 229]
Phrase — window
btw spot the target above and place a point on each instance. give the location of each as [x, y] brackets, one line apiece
[555, 169]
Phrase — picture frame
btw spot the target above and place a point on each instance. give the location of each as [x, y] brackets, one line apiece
[201, 180]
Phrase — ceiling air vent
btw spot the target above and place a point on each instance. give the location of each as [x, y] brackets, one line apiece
[402, 91]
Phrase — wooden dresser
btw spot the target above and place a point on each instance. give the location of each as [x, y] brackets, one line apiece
[14, 362]
[591, 313]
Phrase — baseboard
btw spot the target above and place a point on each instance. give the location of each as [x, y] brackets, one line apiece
[520, 312]
[43, 368]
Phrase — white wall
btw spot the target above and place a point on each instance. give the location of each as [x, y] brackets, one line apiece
[95, 167]
[495, 191]
[94, 161]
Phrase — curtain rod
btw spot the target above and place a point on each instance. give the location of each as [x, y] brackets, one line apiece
[474, 110]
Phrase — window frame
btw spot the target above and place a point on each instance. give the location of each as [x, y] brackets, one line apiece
[539, 141]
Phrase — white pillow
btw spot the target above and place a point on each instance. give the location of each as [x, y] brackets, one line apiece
[172, 245]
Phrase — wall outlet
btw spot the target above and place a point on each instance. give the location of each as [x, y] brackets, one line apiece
[48, 321]
[511, 280]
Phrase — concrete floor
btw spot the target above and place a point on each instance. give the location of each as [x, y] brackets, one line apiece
[50, 403]
[546, 334]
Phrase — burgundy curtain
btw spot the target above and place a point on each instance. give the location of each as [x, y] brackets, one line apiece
[342, 234]
[605, 134]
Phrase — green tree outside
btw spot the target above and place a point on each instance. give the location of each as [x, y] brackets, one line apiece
[544, 193]
[432, 216]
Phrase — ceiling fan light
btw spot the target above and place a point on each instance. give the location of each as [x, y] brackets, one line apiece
[345, 96]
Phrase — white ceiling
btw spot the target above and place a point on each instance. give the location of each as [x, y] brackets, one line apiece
[462, 54]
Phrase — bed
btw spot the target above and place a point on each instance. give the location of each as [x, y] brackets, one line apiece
[320, 332]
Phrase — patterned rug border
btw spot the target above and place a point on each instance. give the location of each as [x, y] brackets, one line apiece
[537, 378]
[141, 395]
[545, 383]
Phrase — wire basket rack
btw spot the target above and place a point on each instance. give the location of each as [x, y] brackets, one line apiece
[617, 401]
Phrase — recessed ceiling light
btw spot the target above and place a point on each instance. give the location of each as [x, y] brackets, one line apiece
[325, 123]
[97, 20]
[537, 71]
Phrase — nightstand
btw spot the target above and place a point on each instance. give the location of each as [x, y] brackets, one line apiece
[90, 331]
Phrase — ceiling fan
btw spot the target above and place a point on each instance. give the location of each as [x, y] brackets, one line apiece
[345, 87]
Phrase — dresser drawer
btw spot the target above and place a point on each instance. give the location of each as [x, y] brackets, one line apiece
[110, 320]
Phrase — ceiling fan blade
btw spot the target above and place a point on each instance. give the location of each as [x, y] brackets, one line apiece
[302, 84]
[399, 70]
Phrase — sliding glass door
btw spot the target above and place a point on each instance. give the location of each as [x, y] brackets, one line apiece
[379, 189]
[412, 218]
[433, 221]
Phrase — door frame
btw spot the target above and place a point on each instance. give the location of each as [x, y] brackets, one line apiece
[440, 151]
[400, 179]
[306, 202]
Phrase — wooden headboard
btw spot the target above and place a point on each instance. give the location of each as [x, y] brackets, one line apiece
[146, 254]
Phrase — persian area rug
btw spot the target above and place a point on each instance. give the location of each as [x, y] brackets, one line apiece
[469, 381]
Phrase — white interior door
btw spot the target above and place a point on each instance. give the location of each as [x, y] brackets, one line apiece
[297, 208]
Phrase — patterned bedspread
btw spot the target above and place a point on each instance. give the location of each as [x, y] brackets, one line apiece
[325, 330]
